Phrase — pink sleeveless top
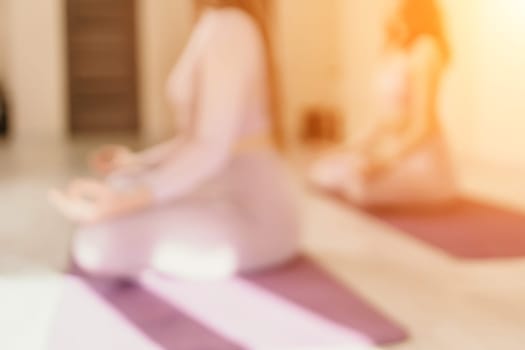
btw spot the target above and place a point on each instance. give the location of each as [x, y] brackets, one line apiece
[219, 89]
[224, 60]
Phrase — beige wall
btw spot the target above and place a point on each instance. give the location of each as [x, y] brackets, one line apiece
[500, 81]
[497, 84]
[3, 38]
[164, 26]
[458, 90]
[307, 36]
[34, 64]
[483, 104]
[360, 45]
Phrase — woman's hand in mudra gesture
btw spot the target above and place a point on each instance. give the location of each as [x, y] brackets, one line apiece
[87, 201]
[112, 158]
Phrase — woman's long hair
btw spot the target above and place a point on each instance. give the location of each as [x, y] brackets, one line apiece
[423, 17]
[258, 10]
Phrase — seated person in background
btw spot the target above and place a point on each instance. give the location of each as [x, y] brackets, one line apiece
[401, 159]
[213, 202]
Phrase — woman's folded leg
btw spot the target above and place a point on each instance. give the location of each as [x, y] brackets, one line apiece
[193, 239]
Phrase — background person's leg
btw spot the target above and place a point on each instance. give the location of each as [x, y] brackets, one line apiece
[421, 178]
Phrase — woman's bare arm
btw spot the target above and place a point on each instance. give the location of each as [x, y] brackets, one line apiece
[156, 154]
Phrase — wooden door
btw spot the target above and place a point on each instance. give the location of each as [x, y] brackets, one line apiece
[102, 65]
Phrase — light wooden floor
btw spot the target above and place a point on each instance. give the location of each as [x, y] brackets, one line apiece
[445, 303]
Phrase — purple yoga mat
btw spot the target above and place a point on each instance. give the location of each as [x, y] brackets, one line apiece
[302, 282]
[465, 228]
[305, 283]
[159, 321]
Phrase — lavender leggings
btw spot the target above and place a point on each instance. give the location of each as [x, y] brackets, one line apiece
[242, 221]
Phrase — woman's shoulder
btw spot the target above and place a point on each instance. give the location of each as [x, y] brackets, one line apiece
[231, 21]
[233, 33]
